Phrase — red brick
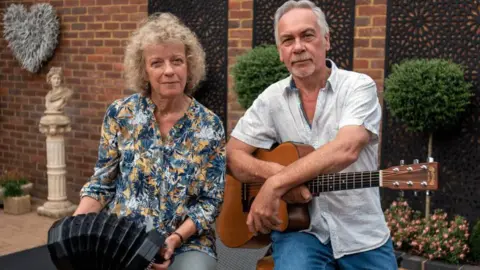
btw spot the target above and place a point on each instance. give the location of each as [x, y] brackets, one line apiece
[128, 26]
[363, 2]
[247, 24]
[78, 26]
[360, 64]
[111, 9]
[79, 10]
[70, 3]
[361, 42]
[86, 18]
[379, 21]
[103, 50]
[377, 64]
[103, 2]
[247, 5]
[240, 14]
[103, 35]
[94, 26]
[95, 58]
[369, 53]
[378, 43]
[371, 32]
[102, 18]
[234, 5]
[372, 10]
[111, 26]
[233, 24]
[241, 33]
[362, 21]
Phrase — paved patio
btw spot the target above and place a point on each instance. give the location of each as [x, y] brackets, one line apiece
[20, 232]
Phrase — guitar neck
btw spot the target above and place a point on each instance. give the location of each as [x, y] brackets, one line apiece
[344, 181]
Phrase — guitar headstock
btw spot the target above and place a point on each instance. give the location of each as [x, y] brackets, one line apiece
[416, 176]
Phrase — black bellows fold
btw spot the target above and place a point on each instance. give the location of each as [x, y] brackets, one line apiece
[102, 241]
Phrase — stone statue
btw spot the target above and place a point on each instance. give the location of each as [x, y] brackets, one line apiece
[57, 98]
[54, 124]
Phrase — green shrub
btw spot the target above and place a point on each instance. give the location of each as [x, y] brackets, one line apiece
[427, 95]
[475, 242]
[12, 189]
[255, 71]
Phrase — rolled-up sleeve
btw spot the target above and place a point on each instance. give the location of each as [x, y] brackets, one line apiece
[362, 107]
[212, 174]
[256, 127]
[101, 186]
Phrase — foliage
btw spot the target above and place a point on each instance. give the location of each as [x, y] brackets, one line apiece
[9, 176]
[403, 223]
[12, 189]
[440, 239]
[427, 95]
[255, 71]
[434, 238]
[475, 242]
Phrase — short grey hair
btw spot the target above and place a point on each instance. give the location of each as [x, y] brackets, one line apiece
[306, 4]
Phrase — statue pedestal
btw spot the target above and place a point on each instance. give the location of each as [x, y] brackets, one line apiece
[54, 125]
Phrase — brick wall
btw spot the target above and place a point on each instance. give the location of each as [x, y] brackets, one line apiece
[90, 50]
[370, 24]
[240, 18]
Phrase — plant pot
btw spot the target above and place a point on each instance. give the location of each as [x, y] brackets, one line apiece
[27, 188]
[17, 205]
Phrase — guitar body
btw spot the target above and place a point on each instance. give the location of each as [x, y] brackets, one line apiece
[231, 224]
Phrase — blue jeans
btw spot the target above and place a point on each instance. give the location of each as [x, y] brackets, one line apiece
[303, 251]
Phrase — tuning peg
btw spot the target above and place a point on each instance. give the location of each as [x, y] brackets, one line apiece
[430, 159]
[415, 161]
[402, 162]
[415, 193]
[429, 193]
[402, 194]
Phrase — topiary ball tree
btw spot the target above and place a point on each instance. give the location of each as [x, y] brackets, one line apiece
[427, 95]
[256, 70]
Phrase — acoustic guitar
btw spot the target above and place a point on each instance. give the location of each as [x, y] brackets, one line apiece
[231, 223]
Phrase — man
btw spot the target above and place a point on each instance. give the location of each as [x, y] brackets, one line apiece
[338, 113]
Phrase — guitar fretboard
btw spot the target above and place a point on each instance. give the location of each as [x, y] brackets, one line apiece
[343, 181]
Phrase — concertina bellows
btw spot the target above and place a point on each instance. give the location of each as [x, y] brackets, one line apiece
[102, 242]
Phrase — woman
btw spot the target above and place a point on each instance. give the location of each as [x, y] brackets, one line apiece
[162, 154]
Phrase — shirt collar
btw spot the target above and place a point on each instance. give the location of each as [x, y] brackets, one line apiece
[331, 81]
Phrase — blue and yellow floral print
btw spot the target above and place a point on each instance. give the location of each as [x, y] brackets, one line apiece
[161, 181]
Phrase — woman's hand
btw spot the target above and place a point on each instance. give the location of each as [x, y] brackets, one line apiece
[172, 242]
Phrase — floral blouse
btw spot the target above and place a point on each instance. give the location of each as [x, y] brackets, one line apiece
[157, 180]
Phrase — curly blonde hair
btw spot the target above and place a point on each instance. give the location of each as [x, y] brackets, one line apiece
[160, 28]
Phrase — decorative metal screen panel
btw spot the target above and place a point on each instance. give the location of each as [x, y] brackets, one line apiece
[448, 29]
[209, 21]
[340, 18]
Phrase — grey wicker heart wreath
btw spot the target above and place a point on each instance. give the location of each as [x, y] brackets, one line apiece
[32, 36]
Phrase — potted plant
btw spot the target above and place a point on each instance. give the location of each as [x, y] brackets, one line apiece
[9, 176]
[254, 71]
[16, 202]
[427, 95]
